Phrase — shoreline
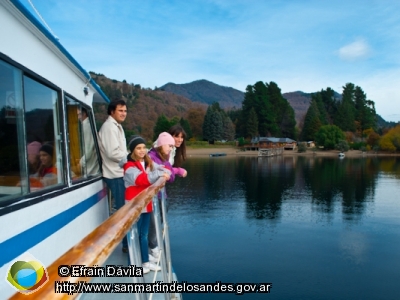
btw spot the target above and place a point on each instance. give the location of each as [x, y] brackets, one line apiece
[232, 151]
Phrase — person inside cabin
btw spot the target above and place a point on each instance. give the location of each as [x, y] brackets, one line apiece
[47, 172]
[139, 173]
[112, 145]
[89, 160]
[33, 156]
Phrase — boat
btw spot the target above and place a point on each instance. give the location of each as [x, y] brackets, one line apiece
[217, 154]
[63, 218]
[341, 155]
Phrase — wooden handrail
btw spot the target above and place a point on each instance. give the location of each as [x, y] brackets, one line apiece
[97, 246]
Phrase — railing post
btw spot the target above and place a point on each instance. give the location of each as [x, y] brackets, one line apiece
[135, 257]
[160, 242]
[166, 231]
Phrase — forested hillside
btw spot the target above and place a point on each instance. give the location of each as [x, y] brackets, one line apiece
[263, 110]
[145, 106]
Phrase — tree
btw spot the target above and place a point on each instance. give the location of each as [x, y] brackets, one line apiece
[215, 128]
[274, 114]
[186, 126]
[372, 137]
[391, 140]
[212, 125]
[252, 123]
[312, 122]
[342, 146]
[330, 103]
[345, 116]
[207, 124]
[323, 114]
[365, 114]
[288, 121]
[282, 114]
[328, 136]
[195, 117]
[228, 129]
[162, 125]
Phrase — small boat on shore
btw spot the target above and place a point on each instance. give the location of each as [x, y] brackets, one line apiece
[341, 155]
[217, 154]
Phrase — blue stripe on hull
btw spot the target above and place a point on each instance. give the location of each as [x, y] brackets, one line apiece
[22, 242]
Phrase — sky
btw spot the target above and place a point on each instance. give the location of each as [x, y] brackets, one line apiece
[302, 45]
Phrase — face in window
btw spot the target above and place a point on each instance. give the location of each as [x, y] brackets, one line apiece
[45, 159]
[119, 114]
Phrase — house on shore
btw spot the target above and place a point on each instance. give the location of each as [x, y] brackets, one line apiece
[271, 142]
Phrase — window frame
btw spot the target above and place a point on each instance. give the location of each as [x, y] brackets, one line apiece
[94, 134]
[21, 201]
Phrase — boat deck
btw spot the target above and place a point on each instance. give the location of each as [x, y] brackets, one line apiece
[119, 258]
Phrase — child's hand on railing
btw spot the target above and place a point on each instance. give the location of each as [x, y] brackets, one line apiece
[166, 176]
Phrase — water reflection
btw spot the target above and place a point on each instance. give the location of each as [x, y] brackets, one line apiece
[317, 228]
[327, 184]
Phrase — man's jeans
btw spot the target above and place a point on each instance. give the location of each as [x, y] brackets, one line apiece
[117, 187]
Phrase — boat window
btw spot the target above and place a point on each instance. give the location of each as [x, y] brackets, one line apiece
[45, 162]
[13, 166]
[30, 154]
[83, 153]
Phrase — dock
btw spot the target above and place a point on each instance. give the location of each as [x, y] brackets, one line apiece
[270, 151]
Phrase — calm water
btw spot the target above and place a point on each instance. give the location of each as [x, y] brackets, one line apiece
[316, 228]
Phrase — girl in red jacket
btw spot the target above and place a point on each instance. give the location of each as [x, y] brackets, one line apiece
[139, 173]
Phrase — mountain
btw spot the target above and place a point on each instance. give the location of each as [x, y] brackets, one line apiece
[207, 92]
[204, 91]
[385, 124]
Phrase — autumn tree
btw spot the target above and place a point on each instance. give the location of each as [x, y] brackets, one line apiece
[195, 117]
[373, 138]
[391, 140]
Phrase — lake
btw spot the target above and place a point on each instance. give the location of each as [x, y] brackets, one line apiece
[313, 227]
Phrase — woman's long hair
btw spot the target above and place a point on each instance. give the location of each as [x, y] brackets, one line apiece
[180, 154]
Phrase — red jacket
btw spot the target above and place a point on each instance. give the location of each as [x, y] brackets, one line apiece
[141, 182]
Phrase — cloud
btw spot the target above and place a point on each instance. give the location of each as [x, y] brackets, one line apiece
[354, 51]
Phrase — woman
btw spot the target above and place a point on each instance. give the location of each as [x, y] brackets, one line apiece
[178, 153]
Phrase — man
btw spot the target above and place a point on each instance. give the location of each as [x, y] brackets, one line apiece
[113, 149]
[89, 160]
